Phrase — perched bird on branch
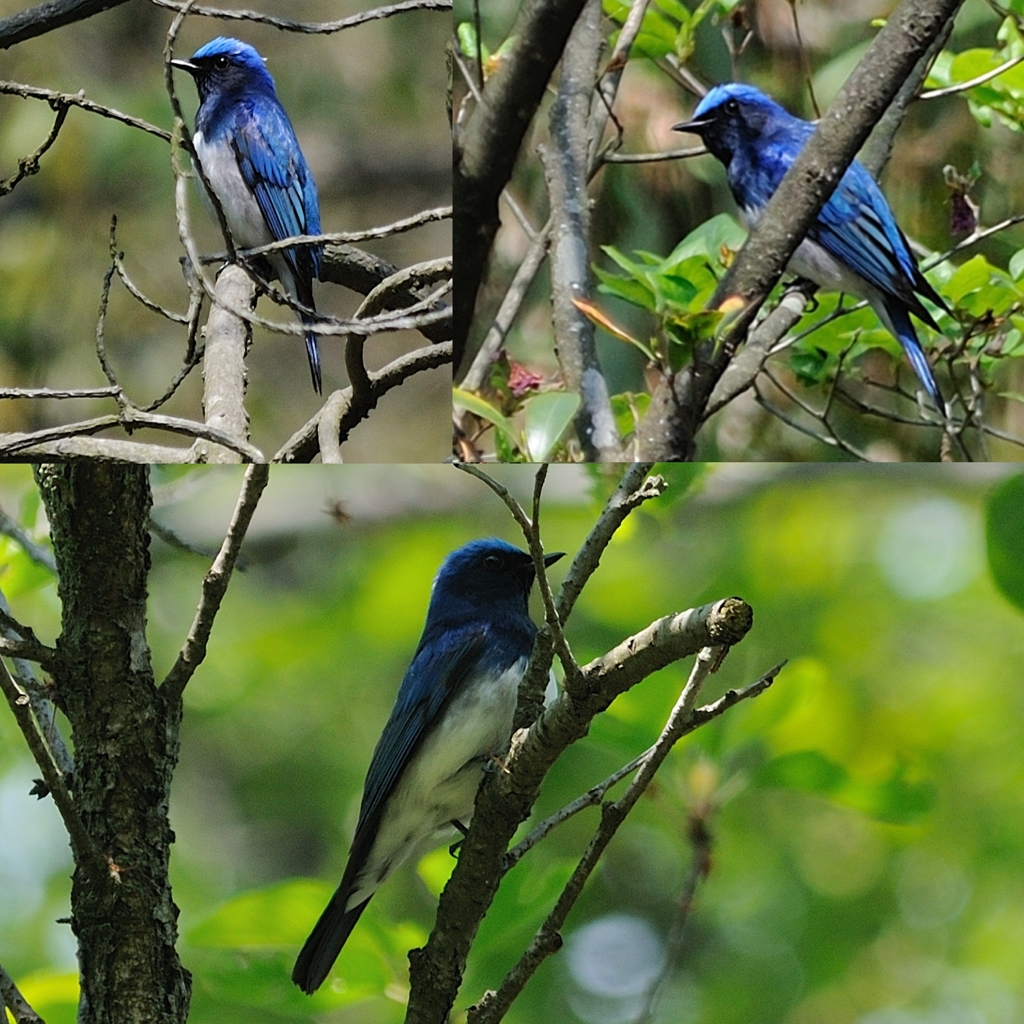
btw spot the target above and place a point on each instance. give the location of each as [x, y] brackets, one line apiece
[453, 715]
[251, 158]
[854, 246]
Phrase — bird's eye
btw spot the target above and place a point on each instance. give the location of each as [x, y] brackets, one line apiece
[493, 561]
[731, 107]
[221, 63]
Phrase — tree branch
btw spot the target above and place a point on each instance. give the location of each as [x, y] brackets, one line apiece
[15, 1002]
[45, 17]
[215, 584]
[87, 855]
[495, 1005]
[566, 166]
[227, 339]
[303, 445]
[492, 139]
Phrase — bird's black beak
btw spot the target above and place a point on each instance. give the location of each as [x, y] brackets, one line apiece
[185, 65]
[696, 126]
[553, 557]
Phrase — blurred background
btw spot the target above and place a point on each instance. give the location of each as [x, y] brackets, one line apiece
[791, 51]
[866, 812]
[368, 105]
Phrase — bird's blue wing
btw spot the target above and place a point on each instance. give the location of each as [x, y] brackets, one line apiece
[856, 226]
[272, 165]
[436, 673]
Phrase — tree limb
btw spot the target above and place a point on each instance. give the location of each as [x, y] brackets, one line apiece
[215, 584]
[492, 139]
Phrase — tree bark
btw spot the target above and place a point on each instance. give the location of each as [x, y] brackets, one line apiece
[126, 738]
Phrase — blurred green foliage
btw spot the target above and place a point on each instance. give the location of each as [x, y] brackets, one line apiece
[866, 811]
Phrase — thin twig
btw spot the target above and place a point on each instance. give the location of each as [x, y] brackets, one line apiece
[215, 584]
[12, 445]
[310, 28]
[39, 553]
[15, 1002]
[30, 164]
[302, 445]
[633, 490]
[60, 393]
[56, 99]
[494, 1005]
[87, 856]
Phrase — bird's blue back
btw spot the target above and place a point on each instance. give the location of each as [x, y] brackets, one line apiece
[272, 165]
[853, 245]
[253, 162]
[471, 629]
[454, 708]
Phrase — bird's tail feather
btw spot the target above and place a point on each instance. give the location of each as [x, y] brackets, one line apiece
[317, 956]
[903, 329]
[313, 352]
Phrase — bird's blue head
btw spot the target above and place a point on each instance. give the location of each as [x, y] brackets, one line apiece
[485, 573]
[226, 66]
[734, 116]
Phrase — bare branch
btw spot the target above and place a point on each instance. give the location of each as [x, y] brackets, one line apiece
[493, 136]
[632, 491]
[302, 446]
[324, 27]
[45, 444]
[87, 856]
[566, 166]
[215, 584]
[227, 338]
[39, 553]
[58, 99]
[494, 1005]
[30, 164]
[15, 1002]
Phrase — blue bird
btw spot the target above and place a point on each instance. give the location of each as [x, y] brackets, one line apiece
[248, 150]
[855, 244]
[453, 713]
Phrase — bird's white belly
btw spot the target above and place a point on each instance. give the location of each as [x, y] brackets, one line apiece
[441, 781]
[245, 219]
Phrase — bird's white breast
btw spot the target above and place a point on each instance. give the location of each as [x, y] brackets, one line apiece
[245, 219]
[441, 781]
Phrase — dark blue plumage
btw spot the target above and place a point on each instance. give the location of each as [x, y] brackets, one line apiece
[454, 710]
[855, 244]
[250, 154]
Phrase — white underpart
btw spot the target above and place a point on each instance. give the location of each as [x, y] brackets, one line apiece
[441, 781]
[817, 264]
[245, 219]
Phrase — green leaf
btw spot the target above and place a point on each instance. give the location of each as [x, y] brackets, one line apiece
[1016, 265]
[466, 34]
[1004, 535]
[972, 276]
[628, 408]
[547, 416]
[707, 240]
[475, 404]
[635, 292]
